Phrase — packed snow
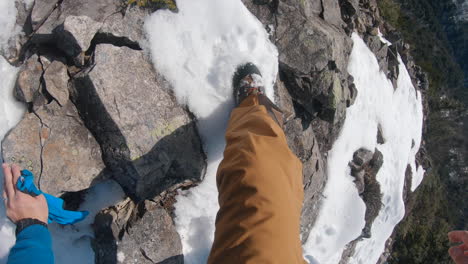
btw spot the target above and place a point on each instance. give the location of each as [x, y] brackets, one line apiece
[400, 114]
[198, 50]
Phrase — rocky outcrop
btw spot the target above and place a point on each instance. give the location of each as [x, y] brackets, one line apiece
[98, 109]
[149, 141]
[314, 84]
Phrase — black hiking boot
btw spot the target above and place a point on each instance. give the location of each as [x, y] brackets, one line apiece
[247, 81]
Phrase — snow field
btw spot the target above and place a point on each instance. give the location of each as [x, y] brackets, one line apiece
[198, 50]
[399, 112]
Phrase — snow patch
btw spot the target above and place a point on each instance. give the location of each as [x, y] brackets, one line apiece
[384, 40]
[198, 50]
[7, 22]
[400, 114]
[72, 243]
[120, 256]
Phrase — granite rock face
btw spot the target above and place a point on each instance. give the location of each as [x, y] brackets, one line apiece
[313, 84]
[56, 146]
[28, 82]
[148, 140]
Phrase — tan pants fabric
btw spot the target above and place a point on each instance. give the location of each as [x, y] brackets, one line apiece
[260, 192]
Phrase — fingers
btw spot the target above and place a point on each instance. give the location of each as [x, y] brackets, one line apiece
[16, 171]
[458, 236]
[457, 254]
[9, 189]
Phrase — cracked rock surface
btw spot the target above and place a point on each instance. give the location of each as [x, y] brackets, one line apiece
[55, 145]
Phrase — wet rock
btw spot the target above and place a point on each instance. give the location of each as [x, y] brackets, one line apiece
[29, 80]
[148, 140]
[56, 82]
[56, 146]
[143, 233]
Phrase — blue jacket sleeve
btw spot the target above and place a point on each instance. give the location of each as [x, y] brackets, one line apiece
[33, 245]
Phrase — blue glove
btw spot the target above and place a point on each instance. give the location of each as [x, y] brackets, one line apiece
[56, 212]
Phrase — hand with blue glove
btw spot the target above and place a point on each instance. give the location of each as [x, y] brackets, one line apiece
[20, 205]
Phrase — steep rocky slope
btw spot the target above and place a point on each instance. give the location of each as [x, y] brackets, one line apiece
[98, 110]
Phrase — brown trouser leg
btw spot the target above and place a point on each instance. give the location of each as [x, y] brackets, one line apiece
[260, 192]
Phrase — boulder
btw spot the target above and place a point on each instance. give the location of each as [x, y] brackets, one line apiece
[28, 82]
[55, 145]
[97, 11]
[128, 26]
[136, 234]
[362, 156]
[56, 82]
[75, 34]
[148, 140]
[41, 11]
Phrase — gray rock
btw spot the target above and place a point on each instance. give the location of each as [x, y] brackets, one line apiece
[362, 156]
[332, 12]
[128, 26]
[376, 161]
[98, 11]
[380, 137]
[309, 46]
[28, 82]
[56, 82]
[41, 11]
[75, 34]
[303, 143]
[360, 185]
[56, 146]
[313, 55]
[143, 233]
[149, 141]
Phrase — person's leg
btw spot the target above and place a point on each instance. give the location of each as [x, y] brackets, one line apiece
[260, 192]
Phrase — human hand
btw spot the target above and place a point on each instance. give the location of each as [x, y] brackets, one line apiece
[459, 253]
[20, 205]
